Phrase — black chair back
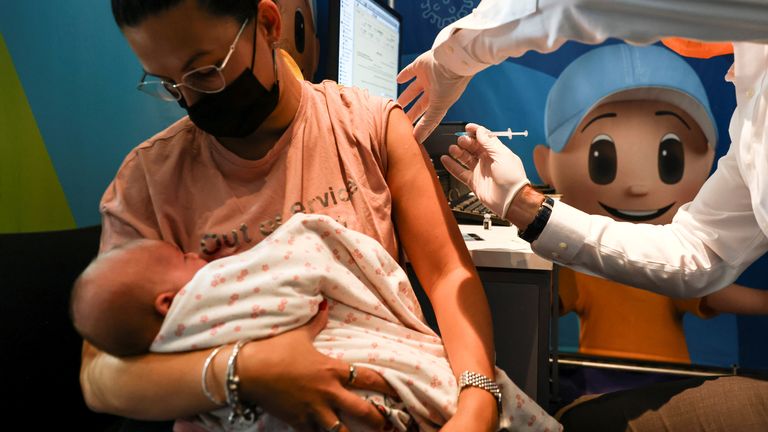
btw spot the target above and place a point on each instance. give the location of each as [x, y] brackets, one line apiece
[41, 350]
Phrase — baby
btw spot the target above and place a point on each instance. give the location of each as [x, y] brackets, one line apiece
[149, 296]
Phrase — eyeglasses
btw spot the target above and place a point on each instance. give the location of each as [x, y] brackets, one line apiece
[206, 79]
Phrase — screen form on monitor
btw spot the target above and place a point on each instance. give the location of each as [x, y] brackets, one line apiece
[365, 45]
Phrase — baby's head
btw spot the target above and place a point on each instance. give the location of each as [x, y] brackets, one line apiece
[118, 303]
[630, 134]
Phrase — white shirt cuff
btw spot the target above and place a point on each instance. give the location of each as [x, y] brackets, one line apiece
[564, 234]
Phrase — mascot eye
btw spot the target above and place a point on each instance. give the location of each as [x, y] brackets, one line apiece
[671, 159]
[298, 29]
[602, 160]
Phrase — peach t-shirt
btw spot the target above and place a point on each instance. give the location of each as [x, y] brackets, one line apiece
[621, 321]
[184, 187]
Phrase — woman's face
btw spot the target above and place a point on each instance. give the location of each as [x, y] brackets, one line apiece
[187, 37]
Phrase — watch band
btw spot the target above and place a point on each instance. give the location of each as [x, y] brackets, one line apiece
[474, 379]
[532, 231]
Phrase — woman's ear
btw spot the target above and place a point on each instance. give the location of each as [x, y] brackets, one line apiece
[163, 302]
[541, 161]
[270, 19]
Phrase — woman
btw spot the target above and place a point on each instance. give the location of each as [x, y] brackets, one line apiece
[258, 146]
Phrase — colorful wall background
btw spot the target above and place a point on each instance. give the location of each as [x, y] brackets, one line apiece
[69, 113]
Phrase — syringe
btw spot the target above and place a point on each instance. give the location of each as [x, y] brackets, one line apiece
[507, 133]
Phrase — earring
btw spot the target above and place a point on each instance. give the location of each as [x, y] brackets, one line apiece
[274, 61]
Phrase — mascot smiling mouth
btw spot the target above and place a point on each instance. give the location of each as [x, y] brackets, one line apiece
[635, 215]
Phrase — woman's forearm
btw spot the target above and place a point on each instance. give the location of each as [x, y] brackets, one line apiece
[283, 374]
[464, 318]
[148, 387]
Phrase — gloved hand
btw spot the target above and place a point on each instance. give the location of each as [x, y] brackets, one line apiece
[439, 89]
[493, 172]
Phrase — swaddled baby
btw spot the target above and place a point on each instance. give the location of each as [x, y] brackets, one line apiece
[148, 295]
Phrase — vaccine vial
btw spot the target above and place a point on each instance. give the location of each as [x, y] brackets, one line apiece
[487, 221]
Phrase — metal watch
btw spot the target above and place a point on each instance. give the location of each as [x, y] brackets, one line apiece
[474, 379]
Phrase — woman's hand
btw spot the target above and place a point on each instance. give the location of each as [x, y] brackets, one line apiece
[477, 411]
[286, 376]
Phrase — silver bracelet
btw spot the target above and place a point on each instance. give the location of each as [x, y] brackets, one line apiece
[203, 381]
[474, 379]
[240, 413]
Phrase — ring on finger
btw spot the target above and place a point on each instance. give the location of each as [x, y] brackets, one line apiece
[352, 374]
[336, 427]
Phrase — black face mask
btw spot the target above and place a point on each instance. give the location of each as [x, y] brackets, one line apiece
[236, 111]
[239, 109]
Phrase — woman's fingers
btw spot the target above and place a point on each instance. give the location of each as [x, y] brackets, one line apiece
[328, 421]
[353, 406]
[364, 379]
[304, 387]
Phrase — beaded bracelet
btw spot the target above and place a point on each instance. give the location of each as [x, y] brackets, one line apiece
[203, 381]
[240, 413]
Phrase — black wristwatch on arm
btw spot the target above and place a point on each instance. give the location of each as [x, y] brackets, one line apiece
[534, 229]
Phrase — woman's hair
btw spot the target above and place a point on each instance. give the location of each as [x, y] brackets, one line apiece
[130, 13]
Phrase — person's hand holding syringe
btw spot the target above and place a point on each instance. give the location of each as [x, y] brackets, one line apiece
[488, 167]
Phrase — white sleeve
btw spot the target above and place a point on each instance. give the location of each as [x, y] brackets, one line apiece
[495, 31]
[708, 244]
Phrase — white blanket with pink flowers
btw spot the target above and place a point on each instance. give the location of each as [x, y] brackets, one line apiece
[375, 320]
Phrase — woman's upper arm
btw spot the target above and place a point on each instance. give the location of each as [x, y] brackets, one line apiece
[426, 228]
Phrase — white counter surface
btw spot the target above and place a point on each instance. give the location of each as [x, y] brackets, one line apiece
[500, 247]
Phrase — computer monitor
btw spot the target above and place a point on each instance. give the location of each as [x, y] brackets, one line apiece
[364, 45]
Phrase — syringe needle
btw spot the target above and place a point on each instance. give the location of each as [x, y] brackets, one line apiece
[507, 133]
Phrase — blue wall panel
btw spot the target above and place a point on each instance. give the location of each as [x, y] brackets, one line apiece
[80, 77]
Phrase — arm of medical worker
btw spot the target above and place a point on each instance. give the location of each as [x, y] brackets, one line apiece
[709, 243]
[498, 29]
[492, 37]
